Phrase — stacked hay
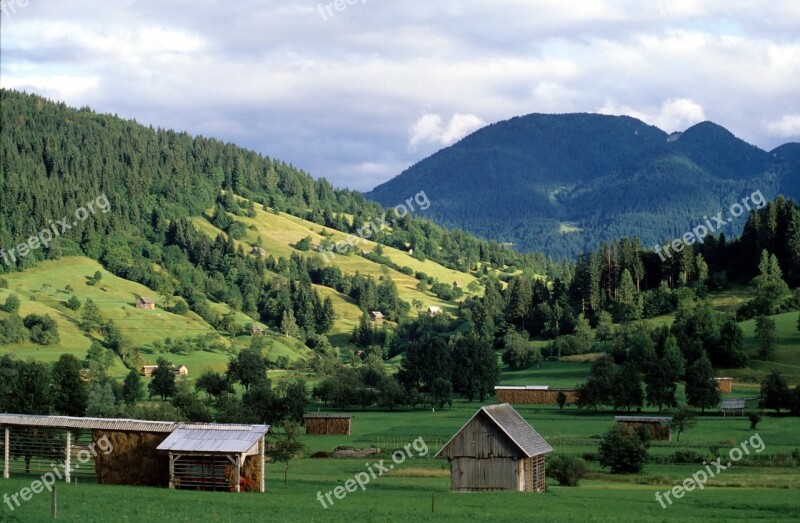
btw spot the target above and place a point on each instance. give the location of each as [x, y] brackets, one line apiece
[134, 459]
[325, 424]
[251, 471]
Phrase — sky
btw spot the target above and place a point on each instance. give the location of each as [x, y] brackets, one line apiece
[358, 90]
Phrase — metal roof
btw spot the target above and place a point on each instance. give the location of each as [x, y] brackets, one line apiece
[643, 419]
[333, 416]
[68, 422]
[733, 403]
[527, 440]
[200, 437]
[523, 387]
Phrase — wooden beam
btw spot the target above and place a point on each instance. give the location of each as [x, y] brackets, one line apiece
[261, 445]
[6, 455]
[68, 457]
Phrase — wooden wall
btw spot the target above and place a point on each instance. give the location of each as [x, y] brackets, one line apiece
[534, 396]
[325, 425]
[473, 474]
[724, 385]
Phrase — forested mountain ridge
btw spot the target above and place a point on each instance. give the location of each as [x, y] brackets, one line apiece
[562, 184]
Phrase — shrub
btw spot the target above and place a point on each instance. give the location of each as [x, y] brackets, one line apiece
[754, 419]
[687, 456]
[567, 470]
[623, 450]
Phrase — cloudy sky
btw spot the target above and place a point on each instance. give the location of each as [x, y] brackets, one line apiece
[360, 92]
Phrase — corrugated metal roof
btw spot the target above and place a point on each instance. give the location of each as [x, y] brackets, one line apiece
[68, 422]
[198, 437]
[733, 403]
[514, 426]
[333, 416]
[643, 419]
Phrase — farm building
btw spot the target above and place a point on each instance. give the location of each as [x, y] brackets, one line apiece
[732, 406]
[433, 311]
[216, 457]
[533, 394]
[114, 451]
[377, 316]
[659, 425]
[496, 450]
[258, 251]
[145, 303]
[456, 284]
[257, 330]
[180, 370]
[318, 424]
[724, 384]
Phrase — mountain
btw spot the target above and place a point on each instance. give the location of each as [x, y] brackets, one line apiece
[562, 184]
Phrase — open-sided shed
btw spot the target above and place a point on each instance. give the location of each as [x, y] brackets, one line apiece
[114, 451]
[216, 457]
[733, 406]
[658, 425]
[533, 394]
[496, 450]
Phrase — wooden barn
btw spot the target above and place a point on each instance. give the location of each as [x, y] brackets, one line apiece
[659, 425]
[724, 385]
[216, 457]
[112, 451]
[533, 394]
[377, 317]
[328, 424]
[496, 450]
[145, 303]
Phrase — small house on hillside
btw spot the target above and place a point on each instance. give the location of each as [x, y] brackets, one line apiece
[659, 425]
[328, 424]
[145, 303]
[433, 311]
[257, 330]
[724, 385]
[180, 370]
[456, 284]
[259, 251]
[496, 450]
[377, 316]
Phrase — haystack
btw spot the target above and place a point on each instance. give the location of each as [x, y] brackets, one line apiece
[134, 459]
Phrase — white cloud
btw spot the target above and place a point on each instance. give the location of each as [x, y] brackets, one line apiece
[430, 128]
[786, 127]
[674, 114]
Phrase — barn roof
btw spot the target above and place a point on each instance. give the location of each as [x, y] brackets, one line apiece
[332, 416]
[643, 419]
[508, 420]
[199, 437]
[733, 403]
[68, 422]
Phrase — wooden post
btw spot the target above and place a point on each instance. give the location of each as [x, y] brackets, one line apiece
[172, 459]
[433, 502]
[68, 457]
[237, 486]
[6, 455]
[261, 446]
[54, 503]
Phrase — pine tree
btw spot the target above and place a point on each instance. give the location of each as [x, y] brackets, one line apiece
[701, 387]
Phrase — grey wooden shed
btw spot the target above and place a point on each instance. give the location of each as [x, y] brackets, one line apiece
[496, 450]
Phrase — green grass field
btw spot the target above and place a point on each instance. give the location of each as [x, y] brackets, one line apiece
[748, 491]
